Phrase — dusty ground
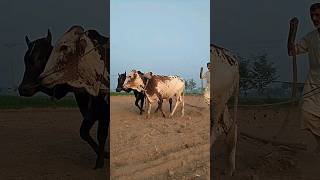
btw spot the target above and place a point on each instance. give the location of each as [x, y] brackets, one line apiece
[45, 144]
[262, 161]
[159, 148]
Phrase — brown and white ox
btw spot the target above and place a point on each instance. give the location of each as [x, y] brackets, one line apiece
[157, 88]
[224, 84]
[80, 59]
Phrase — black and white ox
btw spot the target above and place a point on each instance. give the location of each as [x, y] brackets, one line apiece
[92, 108]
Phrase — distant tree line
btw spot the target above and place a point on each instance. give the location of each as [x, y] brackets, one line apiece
[257, 73]
[257, 76]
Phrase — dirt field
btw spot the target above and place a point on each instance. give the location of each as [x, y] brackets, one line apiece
[257, 160]
[159, 148]
[45, 144]
[178, 148]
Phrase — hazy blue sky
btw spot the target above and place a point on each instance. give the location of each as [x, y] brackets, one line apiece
[164, 36]
[33, 18]
[169, 37]
[250, 26]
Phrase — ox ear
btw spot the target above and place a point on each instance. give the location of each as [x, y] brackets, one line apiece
[27, 40]
[49, 36]
[81, 46]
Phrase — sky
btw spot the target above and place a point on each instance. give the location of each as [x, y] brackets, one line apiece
[33, 18]
[249, 27]
[167, 37]
[164, 36]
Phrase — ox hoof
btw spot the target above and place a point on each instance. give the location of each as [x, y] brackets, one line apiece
[229, 172]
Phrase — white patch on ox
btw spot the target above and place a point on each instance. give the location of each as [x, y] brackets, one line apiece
[75, 67]
[169, 88]
[224, 83]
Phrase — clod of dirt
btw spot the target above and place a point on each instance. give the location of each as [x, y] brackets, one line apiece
[170, 173]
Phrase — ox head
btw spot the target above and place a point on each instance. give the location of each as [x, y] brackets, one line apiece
[75, 61]
[134, 80]
[35, 60]
[121, 79]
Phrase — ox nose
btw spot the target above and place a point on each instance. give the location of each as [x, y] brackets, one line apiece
[118, 89]
[24, 91]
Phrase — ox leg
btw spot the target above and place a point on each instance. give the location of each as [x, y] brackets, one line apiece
[159, 104]
[175, 107]
[85, 133]
[149, 109]
[103, 111]
[84, 102]
[102, 135]
[137, 104]
[87, 124]
[182, 106]
[141, 104]
[160, 107]
[170, 104]
[231, 146]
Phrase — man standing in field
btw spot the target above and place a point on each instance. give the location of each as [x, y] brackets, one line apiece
[310, 44]
[207, 88]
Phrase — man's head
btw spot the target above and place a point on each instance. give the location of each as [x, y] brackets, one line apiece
[209, 66]
[315, 14]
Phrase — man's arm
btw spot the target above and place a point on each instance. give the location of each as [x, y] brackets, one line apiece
[301, 46]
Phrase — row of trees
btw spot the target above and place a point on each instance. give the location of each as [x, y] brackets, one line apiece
[256, 72]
